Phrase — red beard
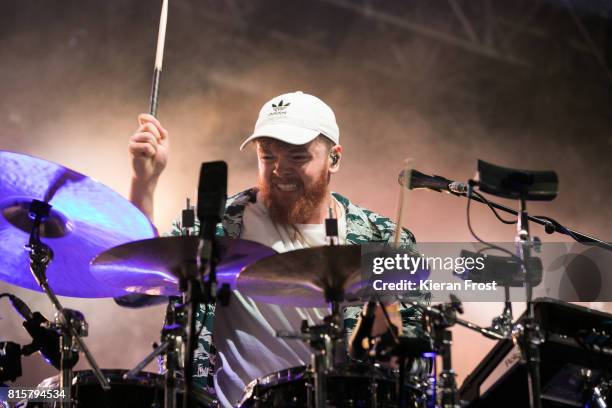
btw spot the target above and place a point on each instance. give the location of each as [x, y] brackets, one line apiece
[295, 211]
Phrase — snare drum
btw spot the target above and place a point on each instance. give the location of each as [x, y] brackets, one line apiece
[144, 391]
[347, 387]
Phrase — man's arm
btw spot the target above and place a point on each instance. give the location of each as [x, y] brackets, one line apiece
[148, 149]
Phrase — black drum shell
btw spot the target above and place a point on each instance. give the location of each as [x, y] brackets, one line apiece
[347, 387]
[144, 391]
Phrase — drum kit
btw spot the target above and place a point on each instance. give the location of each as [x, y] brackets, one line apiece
[66, 234]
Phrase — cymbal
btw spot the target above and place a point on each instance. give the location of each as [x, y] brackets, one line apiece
[312, 277]
[300, 278]
[86, 218]
[152, 266]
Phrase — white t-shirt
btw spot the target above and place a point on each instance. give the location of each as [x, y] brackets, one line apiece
[257, 226]
[245, 331]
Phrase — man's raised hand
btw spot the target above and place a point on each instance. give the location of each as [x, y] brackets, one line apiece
[148, 149]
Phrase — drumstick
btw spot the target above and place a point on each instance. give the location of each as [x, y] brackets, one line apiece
[400, 205]
[159, 56]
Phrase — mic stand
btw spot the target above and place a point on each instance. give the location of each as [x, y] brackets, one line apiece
[504, 322]
[550, 225]
[529, 336]
[40, 257]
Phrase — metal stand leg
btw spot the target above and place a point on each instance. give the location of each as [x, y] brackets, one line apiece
[448, 383]
[171, 345]
[531, 337]
[66, 364]
[40, 257]
[401, 394]
[320, 380]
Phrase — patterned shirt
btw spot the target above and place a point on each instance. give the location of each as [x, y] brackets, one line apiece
[362, 226]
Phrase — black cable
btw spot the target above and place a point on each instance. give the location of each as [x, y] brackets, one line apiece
[6, 295]
[488, 203]
[490, 245]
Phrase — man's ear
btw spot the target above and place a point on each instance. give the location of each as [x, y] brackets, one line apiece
[335, 156]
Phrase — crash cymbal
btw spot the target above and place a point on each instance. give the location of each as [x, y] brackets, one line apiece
[300, 278]
[86, 218]
[152, 266]
[312, 277]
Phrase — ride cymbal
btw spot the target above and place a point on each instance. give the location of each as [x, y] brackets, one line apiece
[86, 218]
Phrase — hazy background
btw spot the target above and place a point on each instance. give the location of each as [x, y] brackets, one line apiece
[522, 84]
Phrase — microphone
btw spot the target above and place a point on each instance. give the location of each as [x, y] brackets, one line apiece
[417, 180]
[362, 331]
[212, 195]
[45, 340]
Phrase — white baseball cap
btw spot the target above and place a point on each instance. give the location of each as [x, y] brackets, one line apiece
[295, 118]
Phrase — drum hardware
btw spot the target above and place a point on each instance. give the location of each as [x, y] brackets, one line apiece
[439, 325]
[71, 325]
[523, 185]
[327, 339]
[390, 344]
[506, 271]
[595, 390]
[159, 266]
[10, 361]
[578, 347]
[439, 319]
[45, 338]
[38, 201]
[351, 385]
[85, 218]
[171, 347]
[406, 350]
[311, 277]
[144, 390]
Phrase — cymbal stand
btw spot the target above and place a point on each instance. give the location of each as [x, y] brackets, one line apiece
[441, 318]
[172, 336]
[443, 340]
[327, 341]
[71, 325]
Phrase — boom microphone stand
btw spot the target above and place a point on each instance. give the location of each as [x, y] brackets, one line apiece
[531, 337]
